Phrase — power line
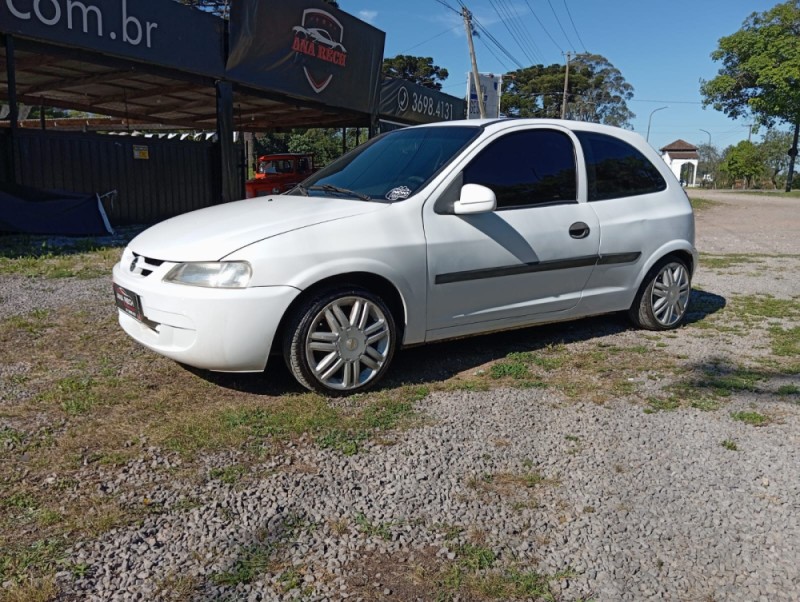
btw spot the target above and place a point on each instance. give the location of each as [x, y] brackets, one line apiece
[507, 25]
[494, 54]
[552, 39]
[503, 49]
[438, 35]
[573, 26]
[559, 24]
[521, 27]
[446, 5]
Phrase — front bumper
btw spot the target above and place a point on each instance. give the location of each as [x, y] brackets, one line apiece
[225, 330]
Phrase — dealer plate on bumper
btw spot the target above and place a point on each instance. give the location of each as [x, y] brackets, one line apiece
[129, 302]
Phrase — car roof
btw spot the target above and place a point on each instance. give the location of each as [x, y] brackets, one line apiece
[504, 123]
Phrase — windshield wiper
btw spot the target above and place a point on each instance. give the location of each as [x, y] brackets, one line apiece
[301, 190]
[339, 190]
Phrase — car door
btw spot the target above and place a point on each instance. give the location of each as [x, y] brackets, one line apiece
[531, 256]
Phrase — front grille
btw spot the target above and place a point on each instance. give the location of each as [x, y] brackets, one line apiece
[143, 266]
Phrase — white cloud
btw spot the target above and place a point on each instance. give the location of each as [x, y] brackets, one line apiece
[368, 15]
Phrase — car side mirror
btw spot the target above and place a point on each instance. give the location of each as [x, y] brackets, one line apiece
[475, 199]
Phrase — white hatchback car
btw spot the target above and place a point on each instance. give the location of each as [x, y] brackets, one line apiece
[421, 234]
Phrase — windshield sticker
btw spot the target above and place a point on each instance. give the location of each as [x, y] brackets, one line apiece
[398, 194]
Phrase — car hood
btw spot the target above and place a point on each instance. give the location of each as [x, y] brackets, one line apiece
[212, 233]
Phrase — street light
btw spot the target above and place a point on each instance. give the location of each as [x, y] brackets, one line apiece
[650, 119]
[709, 135]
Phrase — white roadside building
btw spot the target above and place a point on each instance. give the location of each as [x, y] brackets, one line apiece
[679, 153]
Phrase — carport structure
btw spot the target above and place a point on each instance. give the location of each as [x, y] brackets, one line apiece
[157, 62]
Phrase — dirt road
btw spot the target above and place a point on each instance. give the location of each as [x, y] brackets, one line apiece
[748, 223]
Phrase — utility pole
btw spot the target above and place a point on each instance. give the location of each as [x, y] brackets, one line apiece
[793, 156]
[566, 86]
[476, 80]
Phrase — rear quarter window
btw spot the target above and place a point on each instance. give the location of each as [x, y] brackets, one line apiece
[616, 169]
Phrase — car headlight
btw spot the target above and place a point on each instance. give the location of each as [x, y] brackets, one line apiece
[211, 274]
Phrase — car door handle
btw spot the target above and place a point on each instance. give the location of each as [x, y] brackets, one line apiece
[579, 230]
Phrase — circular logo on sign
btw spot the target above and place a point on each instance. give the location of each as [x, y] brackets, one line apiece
[402, 100]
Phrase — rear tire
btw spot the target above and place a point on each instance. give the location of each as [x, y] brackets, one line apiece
[340, 342]
[663, 297]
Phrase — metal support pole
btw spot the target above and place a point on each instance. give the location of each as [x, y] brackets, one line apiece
[566, 87]
[650, 119]
[229, 174]
[13, 115]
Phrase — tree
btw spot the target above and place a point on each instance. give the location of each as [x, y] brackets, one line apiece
[597, 92]
[773, 149]
[709, 166]
[417, 69]
[743, 161]
[760, 74]
[324, 143]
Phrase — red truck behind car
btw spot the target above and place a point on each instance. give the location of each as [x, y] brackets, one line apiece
[275, 174]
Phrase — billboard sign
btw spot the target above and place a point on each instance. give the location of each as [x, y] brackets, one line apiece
[411, 103]
[161, 33]
[491, 86]
[309, 50]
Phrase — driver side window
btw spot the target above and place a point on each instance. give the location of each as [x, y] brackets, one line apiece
[532, 167]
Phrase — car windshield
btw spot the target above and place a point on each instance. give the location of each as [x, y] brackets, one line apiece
[392, 166]
[277, 166]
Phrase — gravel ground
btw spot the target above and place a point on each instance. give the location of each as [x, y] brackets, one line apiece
[630, 505]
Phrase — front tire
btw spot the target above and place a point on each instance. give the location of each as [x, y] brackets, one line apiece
[663, 298]
[340, 342]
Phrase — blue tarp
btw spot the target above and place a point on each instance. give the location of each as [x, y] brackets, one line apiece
[31, 211]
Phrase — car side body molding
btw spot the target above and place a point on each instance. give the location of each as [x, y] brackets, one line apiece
[537, 266]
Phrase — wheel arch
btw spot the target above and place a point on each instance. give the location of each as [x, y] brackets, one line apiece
[374, 283]
[683, 252]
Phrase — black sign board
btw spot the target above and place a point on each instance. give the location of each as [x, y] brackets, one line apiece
[162, 33]
[306, 49]
[411, 103]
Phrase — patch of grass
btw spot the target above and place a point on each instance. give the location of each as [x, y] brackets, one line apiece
[730, 445]
[766, 306]
[751, 418]
[658, 404]
[514, 584]
[11, 436]
[179, 587]
[291, 579]
[507, 483]
[724, 262]
[33, 323]
[294, 415]
[264, 556]
[59, 263]
[706, 404]
[42, 557]
[551, 357]
[700, 204]
[370, 529]
[228, 474]
[785, 342]
[253, 562]
[75, 395]
[717, 381]
[788, 390]
[508, 369]
[475, 557]
[31, 590]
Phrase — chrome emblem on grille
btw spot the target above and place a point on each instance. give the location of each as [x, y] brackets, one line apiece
[134, 264]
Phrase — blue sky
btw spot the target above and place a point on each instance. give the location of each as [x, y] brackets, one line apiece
[661, 48]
